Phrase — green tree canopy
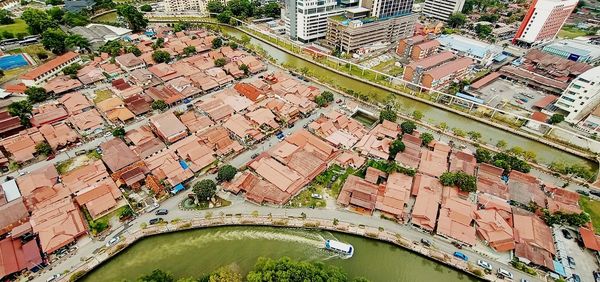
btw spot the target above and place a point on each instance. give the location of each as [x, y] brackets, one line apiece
[119, 132]
[146, 8]
[56, 13]
[76, 40]
[483, 155]
[286, 269]
[321, 101]
[37, 20]
[226, 173]
[245, 69]
[483, 30]
[6, 17]
[54, 39]
[72, 69]
[189, 50]
[217, 43]
[556, 118]
[465, 182]
[157, 275]
[135, 19]
[328, 96]
[160, 56]
[408, 127]
[134, 50]
[75, 19]
[21, 109]
[396, 147]
[159, 105]
[36, 94]
[43, 148]
[220, 62]
[426, 138]
[225, 16]
[418, 115]
[215, 6]
[205, 189]
[111, 47]
[457, 20]
[388, 114]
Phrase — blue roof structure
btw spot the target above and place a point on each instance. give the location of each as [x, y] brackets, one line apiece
[469, 97]
[178, 188]
[467, 45]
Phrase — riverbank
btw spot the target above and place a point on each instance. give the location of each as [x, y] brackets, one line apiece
[251, 221]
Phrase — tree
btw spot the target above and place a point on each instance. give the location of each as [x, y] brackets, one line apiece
[54, 40]
[146, 8]
[465, 182]
[245, 69]
[388, 114]
[56, 13]
[321, 101]
[37, 20]
[220, 62]
[159, 105]
[157, 275]
[492, 18]
[215, 6]
[160, 42]
[271, 9]
[54, 2]
[408, 127]
[6, 17]
[457, 20]
[7, 34]
[75, 19]
[556, 118]
[134, 50]
[135, 19]
[76, 40]
[483, 155]
[286, 269]
[21, 109]
[36, 94]
[483, 30]
[426, 138]
[328, 96]
[245, 39]
[474, 135]
[396, 147]
[21, 35]
[189, 50]
[72, 70]
[225, 274]
[160, 56]
[119, 132]
[418, 115]
[224, 17]
[205, 189]
[233, 45]
[501, 144]
[111, 47]
[217, 43]
[226, 173]
[43, 148]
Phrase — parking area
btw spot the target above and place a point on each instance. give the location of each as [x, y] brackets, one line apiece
[584, 261]
[503, 91]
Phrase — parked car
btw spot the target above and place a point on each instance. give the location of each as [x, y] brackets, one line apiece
[53, 277]
[567, 234]
[316, 196]
[112, 241]
[505, 273]
[596, 276]
[571, 262]
[583, 192]
[457, 245]
[255, 155]
[338, 101]
[51, 157]
[162, 212]
[156, 220]
[486, 265]
[461, 256]
[595, 193]
[425, 242]
[152, 207]
[576, 278]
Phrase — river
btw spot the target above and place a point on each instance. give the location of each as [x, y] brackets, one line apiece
[198, 252]
[491, 135]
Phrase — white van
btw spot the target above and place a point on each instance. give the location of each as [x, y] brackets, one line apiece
[505, 273]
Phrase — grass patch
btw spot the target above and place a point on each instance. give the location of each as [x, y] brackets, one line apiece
[571, 32]
[305, 199]
[94, 155]
[102, 95]
[18, 27]
[592, 208]
[63, 167]
[107, 18]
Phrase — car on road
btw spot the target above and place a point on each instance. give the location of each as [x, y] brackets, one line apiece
[571, 262]
[461, 256]
[505, 274]
[112, 241]
[156, 220]
[582, 192]
[595, 193]
[484, 264]
[425, 242]
[457, 245]
[576, 278]
[53, 277]
[162, 212]
[566, 234]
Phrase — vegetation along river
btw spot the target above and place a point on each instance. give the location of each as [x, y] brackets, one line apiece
[491, 135]
[198, 252]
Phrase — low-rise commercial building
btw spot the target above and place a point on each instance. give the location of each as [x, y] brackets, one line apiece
[50, 69]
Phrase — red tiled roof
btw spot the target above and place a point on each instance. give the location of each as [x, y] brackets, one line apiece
[50, 65]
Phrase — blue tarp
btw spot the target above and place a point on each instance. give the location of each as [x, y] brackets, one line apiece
[469, 97]
[559, 268]
[500, 58]
[178, 188]
[183, 164]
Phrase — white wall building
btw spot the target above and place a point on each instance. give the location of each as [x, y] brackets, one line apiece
[442, 9]
[187, 5]
[306, 20]
[543, 21]
[582, 96]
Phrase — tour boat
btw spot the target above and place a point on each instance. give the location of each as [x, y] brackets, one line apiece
[339, 247]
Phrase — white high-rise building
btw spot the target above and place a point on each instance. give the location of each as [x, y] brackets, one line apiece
[582, 96]
[306, 20]
[442, 9]
[543, 21]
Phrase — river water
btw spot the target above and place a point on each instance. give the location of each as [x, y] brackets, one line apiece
[198, 252]
[491, 135]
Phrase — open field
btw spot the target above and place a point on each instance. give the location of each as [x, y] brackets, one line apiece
[593, 209]
[18, 27]
[570, 32]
